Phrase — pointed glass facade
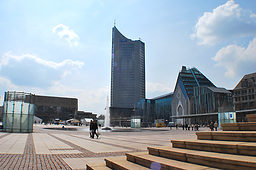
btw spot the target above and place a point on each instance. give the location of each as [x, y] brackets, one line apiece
[127, 71]
[127, 77]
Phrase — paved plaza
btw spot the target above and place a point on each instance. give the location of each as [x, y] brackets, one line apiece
[51, 147]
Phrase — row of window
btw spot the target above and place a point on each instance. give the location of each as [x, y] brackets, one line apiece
[243, 98]
[246, 91]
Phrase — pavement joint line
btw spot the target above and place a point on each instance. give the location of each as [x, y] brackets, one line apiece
[137, 142]
[134, 150]
[2, 136]
[72, 145]
[86, 153]
[30, 160]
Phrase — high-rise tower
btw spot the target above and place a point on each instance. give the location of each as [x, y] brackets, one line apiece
[127, 75]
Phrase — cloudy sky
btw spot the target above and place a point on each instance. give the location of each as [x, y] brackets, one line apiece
[63, 48]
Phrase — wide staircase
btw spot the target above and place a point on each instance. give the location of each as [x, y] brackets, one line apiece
[232, 148]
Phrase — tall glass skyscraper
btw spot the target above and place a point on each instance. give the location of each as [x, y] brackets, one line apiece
[127, 73]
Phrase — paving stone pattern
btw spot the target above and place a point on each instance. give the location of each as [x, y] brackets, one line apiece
[56, 149]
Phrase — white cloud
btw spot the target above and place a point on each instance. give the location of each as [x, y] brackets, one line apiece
[64, 32]
[7, 57]
[90, 99]
[226, 22]
[31, 70]
[156, 89]
[237, 60]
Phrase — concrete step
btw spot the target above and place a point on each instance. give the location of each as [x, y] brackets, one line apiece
[156, 162]
[121, 163]
[251, 117]
[242, 126]
[98, 166]
[231, 147]
[211, 159]
[245, 136]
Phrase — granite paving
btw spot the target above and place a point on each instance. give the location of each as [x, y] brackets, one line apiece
[52, 147]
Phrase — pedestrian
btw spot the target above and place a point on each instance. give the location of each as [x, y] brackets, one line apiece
[211, 126]
[192, 126]
[196, 127]
[216, 126]
[176, 126]
[186, 126]
[91, 124]
[94, 129]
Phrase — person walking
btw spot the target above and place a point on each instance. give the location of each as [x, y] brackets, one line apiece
[94, 129]
[186, 126]
[91, 124]
[211, 126]
[216, 126]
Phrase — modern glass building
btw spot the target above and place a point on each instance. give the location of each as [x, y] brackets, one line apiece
[209, 101]
[197, 100]
[151, 110]
[186, 81]
[127, 76]
[18, 112]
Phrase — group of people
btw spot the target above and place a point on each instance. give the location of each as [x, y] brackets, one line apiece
[194, 127]
[94, 129]
[213, 126]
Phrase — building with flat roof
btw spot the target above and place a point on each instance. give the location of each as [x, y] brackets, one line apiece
[50, 108]
[151, 110]
[245, 96]
[127, 77]
[82, 115]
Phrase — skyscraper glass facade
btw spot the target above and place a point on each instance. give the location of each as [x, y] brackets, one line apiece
[127, 77]
[127, 71]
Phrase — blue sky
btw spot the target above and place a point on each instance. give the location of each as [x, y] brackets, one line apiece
[63, 48]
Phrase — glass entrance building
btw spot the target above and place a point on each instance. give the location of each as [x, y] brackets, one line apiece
[18, 112]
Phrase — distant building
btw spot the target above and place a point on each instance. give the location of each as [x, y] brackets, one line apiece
[245, 96]
[50, 108]
[127, 77]
[207, 102]
[150, 110]
[1, 113]
[210, 99]
[82, 115]
[184, 90]
[197, 100]
[37, 120]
